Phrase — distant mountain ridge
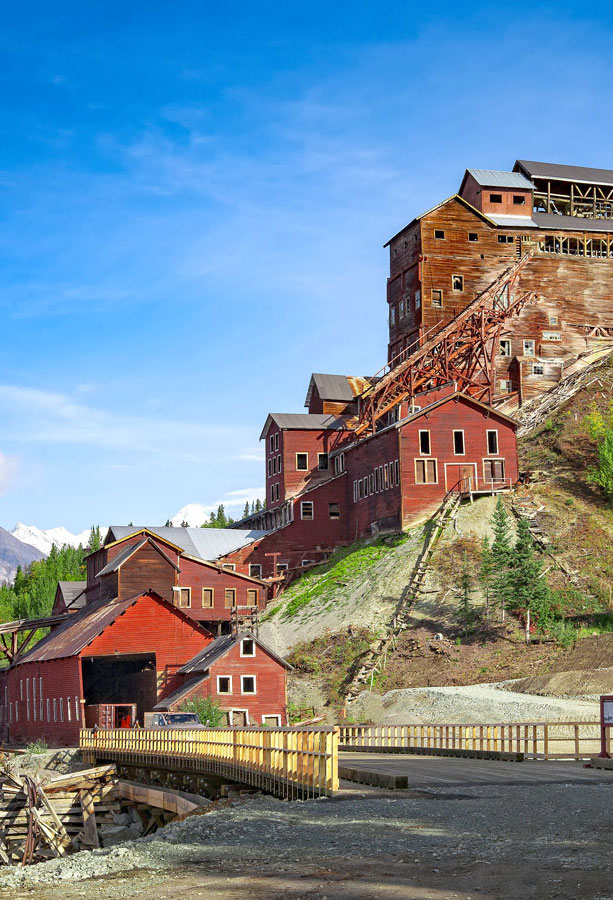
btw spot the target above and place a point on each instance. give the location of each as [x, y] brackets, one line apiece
[13, 553]
[43, 539]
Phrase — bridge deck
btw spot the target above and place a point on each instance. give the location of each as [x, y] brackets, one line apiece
[400, 771]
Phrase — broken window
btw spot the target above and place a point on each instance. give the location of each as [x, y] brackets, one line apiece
[322, 461]
[306, 510]
[437, 299]
[505, 239]
[505, 347]
[457, 282]
[519, 200]
[552, 336]
[424, 443]
[255, 570]
[528, 348]
[538, 369]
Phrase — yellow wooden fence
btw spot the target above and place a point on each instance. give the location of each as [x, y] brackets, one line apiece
[288, 762]
[536, 740]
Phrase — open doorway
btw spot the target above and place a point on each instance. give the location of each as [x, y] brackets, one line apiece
[121, 679]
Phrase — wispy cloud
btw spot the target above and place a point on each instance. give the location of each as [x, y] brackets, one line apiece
[251, 454]
[8, 468]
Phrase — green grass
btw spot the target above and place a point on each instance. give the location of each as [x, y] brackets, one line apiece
[345, 564]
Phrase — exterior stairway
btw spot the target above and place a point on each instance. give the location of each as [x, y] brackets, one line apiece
[375, 658]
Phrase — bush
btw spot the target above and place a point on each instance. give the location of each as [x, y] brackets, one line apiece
[209, 712]
[38, 746]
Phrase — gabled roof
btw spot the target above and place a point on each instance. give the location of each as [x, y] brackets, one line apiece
[72, 593]
[84, 626]
[223, 570]
[455, 197]
[343, 388]
[304, 422]
[203, 543]
[180, 693]
[557, 172]
[219, 647]
[456, 396]
[496, 178]
[117, 562]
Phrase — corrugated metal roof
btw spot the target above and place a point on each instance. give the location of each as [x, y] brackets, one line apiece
[122, 557]
[79, 631]
[181, 692]
[219, 647]
[72, 593]
[305, 422]
[205, 543]
[553, 222]
[557, 172]
[333, 387]
[513, 221]
[495, 178]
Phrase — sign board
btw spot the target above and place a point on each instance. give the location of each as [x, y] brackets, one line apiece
[606, 721]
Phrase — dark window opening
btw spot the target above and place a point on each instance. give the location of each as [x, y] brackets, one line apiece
[457, 282]
[437, 299]
[223, 684]
[247, 684]
[492, 442]
[302, 461]
[458, 443]
[519, 200]
[439, 234]
[248, 647]
[334, 510]
[424, 442]
[322, 460]
[495, 198]
[473, 236]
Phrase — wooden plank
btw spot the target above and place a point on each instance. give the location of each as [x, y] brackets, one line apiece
[90, 831]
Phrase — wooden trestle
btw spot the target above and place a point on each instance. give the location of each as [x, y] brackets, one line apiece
[291, 763]
[464, 351]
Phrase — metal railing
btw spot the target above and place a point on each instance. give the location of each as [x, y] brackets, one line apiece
[536, 740]
[292, 763]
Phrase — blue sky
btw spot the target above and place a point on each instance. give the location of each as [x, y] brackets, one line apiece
[193, 202]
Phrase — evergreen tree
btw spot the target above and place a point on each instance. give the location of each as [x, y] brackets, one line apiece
[502, 553]
[95, 539]
[465, 592]
[32, 593]
[246, 510]
[184, 524]
[258, 505]
[221, 516]
[168, 524]
[252, 507]
[530, 591]
[486, 572]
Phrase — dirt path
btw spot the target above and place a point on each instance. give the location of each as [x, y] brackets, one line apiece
[496, 842]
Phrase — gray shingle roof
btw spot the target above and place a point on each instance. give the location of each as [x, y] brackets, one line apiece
[557, 172]
[204, 543]
[72, 593]
[304, 422]
[495, 178]
[219, 647]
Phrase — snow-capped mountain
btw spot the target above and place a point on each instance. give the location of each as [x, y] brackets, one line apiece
[195, 514]
[43, 539]
[13, 553]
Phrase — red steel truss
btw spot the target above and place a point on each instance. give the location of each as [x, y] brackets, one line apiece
[463, 351]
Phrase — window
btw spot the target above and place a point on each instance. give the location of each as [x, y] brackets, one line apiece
[61, 709]
[282, 567]
[473, 237]
[306, 510]
[505, 386]
[272, 443]
[492, 442]
[48, 710]
[386, 476]
[247, 647]
[307, 562]
[392, 315]
[505, 347]
[229, 566]
[417, 299]
[322, 461]
[229, 598]
[505, 239]
[247, 684]
[437, 299]
[273, 721]
[371, 483]
[68, 714]
[274, 465]
[77, 706]
[553, 320]
[269, 467]
[519, 200]
[552, 336]
[302, 462]
[397, 471]
[493, 469]
[495, 198]
[424, 443]
[224, 684]
[182, 596]
[538, 369]
[439, 234]
[252, 597]
[457, 282]
[277, 441]
[355, 491]
[401, 309]
[528, 348]
[334, 510]
[458, 443]
[339, 463]
[425, 471]
[208, 597]
[279, 463]
[255, 570]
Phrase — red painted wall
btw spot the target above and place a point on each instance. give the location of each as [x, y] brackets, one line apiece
[61, 679]
[198, 576]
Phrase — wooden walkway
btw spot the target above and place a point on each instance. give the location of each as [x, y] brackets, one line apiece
[392, 770]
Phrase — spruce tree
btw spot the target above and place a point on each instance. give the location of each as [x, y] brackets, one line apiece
[246, 510]
[486, 572]
[95, 539]
[502, 553]
[221, 516]
[465, 592]
[258, 505]
[530, 591]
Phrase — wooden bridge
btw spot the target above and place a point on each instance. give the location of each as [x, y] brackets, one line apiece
[291, 763]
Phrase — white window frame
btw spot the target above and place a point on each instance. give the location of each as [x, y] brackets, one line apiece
[459, 431]
[224, 693]
[303, 453]
[77, 709]
[319, 466]
[277, 441]
[212, 590]
[231, 567]
[48, 709]
[255, 686]
[506, 386]
[177, 594]
[487, 441]
[304, 503]
[272, 443]
[272, 716]
[425, 431]
[68, 709]
[236, 710]
[425, 459]
[507, 343]
[279, 462]
[282, 566]
[526, 348]
[257, 566]
[61, 709]
[40, 697]
[247, 655]
[432, 303]
[552, 336]
[307, 562]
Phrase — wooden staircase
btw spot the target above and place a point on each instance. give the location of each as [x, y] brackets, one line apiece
[375, 658]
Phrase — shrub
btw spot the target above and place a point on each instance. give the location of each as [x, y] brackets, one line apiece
[209, 712]
[38, 746]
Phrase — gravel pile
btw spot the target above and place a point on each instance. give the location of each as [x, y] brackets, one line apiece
[482, 703]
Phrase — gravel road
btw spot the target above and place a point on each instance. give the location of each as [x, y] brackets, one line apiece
[502, 843]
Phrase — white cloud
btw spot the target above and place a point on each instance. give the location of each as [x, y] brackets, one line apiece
[8, 467]
[251, 454]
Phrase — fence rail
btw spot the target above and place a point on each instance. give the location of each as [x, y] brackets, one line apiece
[536, 740]
[292, 763]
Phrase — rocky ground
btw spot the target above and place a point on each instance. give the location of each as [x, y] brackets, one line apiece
[501, 843]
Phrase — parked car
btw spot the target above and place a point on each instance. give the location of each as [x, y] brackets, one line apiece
[173, 720]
